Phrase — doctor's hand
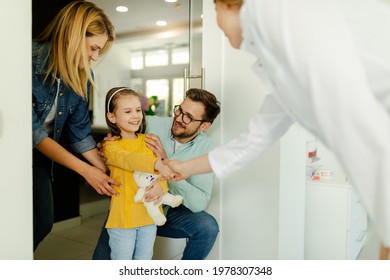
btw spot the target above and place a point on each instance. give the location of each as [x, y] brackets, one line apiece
[179, 168]
[185, 169]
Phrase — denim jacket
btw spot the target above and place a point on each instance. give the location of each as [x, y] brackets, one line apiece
[72, 116]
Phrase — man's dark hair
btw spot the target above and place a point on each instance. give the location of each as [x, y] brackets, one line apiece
[210, 102]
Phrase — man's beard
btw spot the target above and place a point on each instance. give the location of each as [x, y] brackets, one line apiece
[186, 134]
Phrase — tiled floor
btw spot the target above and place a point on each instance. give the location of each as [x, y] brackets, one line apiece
[76, 239]
[78, 243]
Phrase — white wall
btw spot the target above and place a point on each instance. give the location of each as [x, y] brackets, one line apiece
[16, 236]
[292, 194]
[248, 200]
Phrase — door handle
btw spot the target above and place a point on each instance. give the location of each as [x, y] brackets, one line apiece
[188, 77]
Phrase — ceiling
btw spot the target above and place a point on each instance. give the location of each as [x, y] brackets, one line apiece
[143, 14]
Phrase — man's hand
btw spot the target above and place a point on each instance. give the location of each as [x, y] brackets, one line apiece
[100, 145]
[153, 142]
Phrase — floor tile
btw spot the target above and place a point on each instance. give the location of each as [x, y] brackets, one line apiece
[76, 243]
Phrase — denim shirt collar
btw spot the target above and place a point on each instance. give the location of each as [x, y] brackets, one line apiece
[42, 53]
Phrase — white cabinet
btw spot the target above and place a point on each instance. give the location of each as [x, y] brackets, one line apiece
[335, 221]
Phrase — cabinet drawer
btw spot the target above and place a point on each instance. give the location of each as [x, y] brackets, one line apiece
[357, 236]
[357, 209]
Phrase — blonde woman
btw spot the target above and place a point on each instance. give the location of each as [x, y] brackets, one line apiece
[62, 80]
[327, 64]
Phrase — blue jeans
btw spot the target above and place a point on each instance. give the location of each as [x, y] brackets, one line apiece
[200, 229]
[132, 243]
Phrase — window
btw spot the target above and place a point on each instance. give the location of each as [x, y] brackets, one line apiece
[137, 60]
[156, 58]
[158, 73]
[177, 92]
[159, 57]
[180, 55]
[137, 85]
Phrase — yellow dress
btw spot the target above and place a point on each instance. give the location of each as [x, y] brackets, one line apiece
[123, 156]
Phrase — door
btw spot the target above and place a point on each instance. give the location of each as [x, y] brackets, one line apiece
[194, 73]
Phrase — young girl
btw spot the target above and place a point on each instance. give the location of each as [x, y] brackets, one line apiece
[131, 230]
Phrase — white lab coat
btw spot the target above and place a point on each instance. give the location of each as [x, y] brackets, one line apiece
[328, 64]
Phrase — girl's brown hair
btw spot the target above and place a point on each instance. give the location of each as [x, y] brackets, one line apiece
[67, 34]
[110, 107]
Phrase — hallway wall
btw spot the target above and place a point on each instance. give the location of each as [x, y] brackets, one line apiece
[15, 131]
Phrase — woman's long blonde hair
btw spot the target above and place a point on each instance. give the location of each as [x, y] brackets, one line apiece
[67, 34]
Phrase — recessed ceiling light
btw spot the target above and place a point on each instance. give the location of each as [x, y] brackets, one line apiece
[171, 1]
[161, 23]
[121, 9]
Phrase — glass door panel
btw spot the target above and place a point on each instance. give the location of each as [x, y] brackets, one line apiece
[194, 73]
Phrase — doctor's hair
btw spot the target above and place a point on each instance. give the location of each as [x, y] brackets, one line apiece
[111, 106]
[231, 2]
[211, 104]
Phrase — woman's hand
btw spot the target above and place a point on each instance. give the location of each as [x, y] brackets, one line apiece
[95, 176]
[100, 181]
[154, 193]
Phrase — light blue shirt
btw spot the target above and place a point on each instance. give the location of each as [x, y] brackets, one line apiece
[196, 190]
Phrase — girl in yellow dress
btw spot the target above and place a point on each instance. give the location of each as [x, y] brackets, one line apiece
[131, 230]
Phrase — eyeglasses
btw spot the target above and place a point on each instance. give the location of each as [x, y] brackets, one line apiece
[185, 118]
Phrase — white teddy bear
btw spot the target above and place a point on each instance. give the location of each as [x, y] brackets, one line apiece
[143, 180]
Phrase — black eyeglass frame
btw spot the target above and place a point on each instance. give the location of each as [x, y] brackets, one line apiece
[178, 108]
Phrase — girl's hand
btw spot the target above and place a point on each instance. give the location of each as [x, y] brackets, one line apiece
[165, 170]
[154, 193]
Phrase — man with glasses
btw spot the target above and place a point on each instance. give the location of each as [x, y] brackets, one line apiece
[182, 137]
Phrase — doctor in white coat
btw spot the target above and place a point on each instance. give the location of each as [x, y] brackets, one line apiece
[328, 64]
